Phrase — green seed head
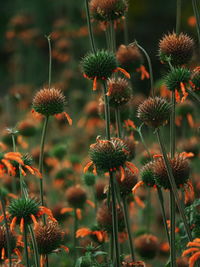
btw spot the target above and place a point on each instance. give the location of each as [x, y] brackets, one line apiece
[177, 76]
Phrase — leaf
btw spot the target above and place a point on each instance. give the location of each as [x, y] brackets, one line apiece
[78, 262]
[99, 253]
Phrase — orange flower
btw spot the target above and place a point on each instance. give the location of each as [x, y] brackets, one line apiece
[144, 72]
[194, 249]
[82, 232]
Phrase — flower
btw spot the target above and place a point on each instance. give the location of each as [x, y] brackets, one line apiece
[3, 243]
[99, 234]
[154, 112]
[147, 246]
[194, 249]
[7, 163]
[50, 102]
[100, 66]
[25, 211]
[178, 49]
[109, 156]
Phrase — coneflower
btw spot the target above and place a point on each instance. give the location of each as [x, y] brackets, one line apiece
[147, 246]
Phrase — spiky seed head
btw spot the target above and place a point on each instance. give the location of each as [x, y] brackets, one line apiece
[119, 92]
[180, 168]
[154, 112]
[27, 128]
[23, 208]
[108, 10]
[104, 218]
[100, 193]
[185, 108]
[108, 155]
[127, 184]
[176, 76]
[3, 240]
[195, 78]
[178, 48]
[89, 179]
[49, 102]
[129, 57]
[147, 246]
[100, 65]
[133, 264]
[59, 151]
[147, 174]
[49, 237]
[76, 196]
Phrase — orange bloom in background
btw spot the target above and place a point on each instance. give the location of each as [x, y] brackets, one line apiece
[194, 249]
[100, 235]
[144, 72]
[192, 21]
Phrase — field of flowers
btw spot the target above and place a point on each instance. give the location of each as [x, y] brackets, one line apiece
[100, 131]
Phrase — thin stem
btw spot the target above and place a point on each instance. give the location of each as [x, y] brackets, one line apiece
[149, 65]
[178, 16]
[172, 126]
[90, 27]
[139, 130]
[50, 58]
[14, 183]
[111, 251]
[173, 185]
[107, 113]
[14, 143]
[7, 231]
[194, 95]
[161, 199]
[172, 229]
[114, 220]
[75, 229]
[42, 156]
[197, 16]
[35, 248]
[26, 246]
[118, 122]
[127, 222]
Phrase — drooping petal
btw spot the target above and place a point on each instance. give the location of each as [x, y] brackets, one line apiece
[79, 214]
[82, 232]
[94, 84]
[122, 173]
[189, 250]
[144, 72]
[34, 221]
[183, 89]
[65, 210]
[9, 166]
[177, 96]
[89, 202]
[193, 259]
[139, 202]
[65, 248]
[88, 165]
[68, 118]
[139, 184]
[190, 120]
[21, 225]
[123, 71]
[13, 223]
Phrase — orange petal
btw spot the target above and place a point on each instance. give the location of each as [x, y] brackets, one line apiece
[34, 221]
[139, 202]
[89, 202]
[29, 169]
[21, 225]
[42, 261]
[132, 167]
[65, 210]
[88, 165]
[68, 118]
[21, 142]
[187, 154]
[9, 166]
[144, 72]
[189, 250]
[79, 214]
[122, 173]
[197, 240]
[123, 71]
[15, 158]
[94, 84]
[18, 253]
[82, 232]
[190, 120]
[177, 96]
[65, 248]
[13, 223]
[157, 156]
[22, 171]
[185, 94]
[99, 235]
[195, 244]
[12, 195]
[3, 253]
[139, 184]
[37, 172]
[193, 259]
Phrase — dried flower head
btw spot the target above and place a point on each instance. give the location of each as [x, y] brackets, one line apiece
[133, 264]
[129, 57]
[100, 66]
[147, 246]
[100, 190]
[104, 218]
[108, 10]
[27, 128]
[76, 196]
[119, 92]
[125, 186]
[180, 168]
[176, 76]
[154, 112]
[182, 262]
[89, 179]
[176, 48]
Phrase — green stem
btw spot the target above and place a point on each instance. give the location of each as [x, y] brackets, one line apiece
[44, 131]
[75, 229]
[111, 251]
[26, 246]
[197, 16]
[35, 247]
[173, 185]
[172, 229]
[161, 199]
[50, 58]
[139, 130]
[114, 221]
[127, 222]
[118, 122]
[150, 67]
[14, 183]
[107, 113]
[178, 16]
[172, 126]
[7, 231]
[90, 27]
[194, 95]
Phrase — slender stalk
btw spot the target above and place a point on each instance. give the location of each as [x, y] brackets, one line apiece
[197, 16]
[50, 58]
[173, 185]
[14, 183]
[160, 196]
[172, 229]
[90, 27]
[150, 67]
[118, 122]
[26, 246]
[75, 229]
[44, 131]
[107, 113]
[139, 130]
[114, 221]
[7, 231]
[172, 126]
[127, 222]
[194, 95]
[111, 251]
[35, 248]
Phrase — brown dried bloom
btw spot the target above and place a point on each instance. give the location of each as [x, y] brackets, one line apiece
[76, 196]
[178, 47]
[128, 183]
[133, 264]
[147, 246]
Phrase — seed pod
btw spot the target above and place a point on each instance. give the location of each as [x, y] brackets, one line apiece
[147, 246]
[175, 77]
[127, 184]
[147, 174]
[76, 196]
[89, 179]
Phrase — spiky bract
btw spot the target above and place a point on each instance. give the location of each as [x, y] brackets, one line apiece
[176, 76]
